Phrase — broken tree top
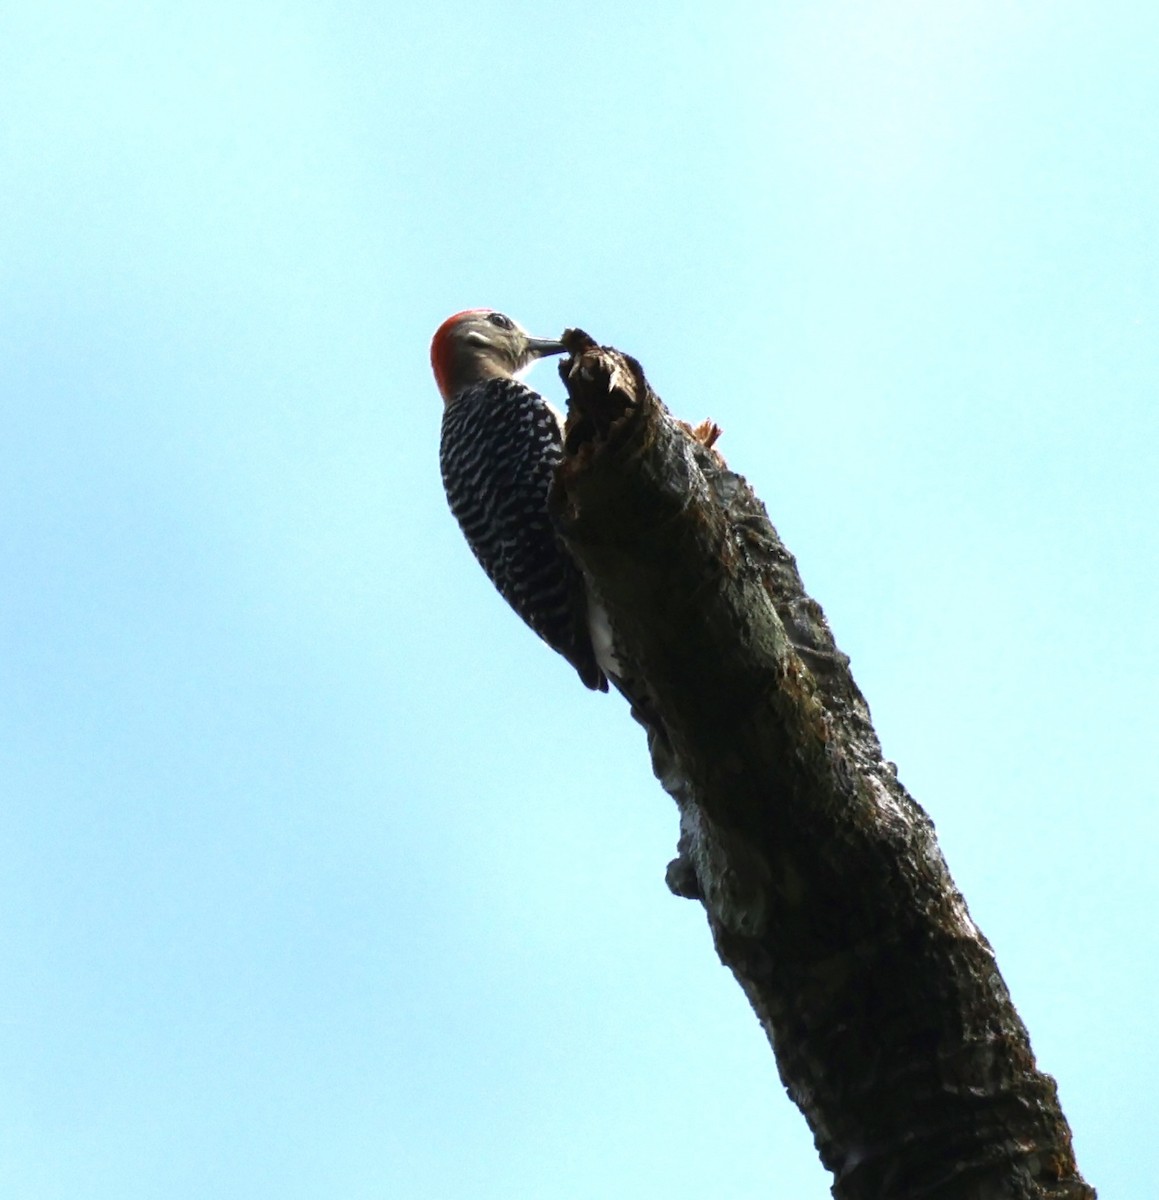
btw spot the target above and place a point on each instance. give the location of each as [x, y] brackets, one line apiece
[825, 890]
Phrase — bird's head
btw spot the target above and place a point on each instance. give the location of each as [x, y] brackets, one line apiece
[483, 344]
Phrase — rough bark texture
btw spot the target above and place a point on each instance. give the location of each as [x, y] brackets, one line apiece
[825, 890]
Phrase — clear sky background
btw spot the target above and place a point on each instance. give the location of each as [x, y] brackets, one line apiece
[321, 876]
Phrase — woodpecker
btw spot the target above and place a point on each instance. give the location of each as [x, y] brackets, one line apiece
[501, 444]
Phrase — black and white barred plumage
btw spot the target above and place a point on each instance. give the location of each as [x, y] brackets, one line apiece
[501, 444]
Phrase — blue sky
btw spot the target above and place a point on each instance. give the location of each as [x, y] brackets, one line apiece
[323, 877]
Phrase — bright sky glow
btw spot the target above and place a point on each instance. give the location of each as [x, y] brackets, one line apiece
[322, 877]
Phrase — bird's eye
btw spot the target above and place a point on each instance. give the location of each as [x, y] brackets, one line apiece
[499, 319]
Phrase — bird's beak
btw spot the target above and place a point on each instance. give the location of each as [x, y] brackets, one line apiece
[542, 347]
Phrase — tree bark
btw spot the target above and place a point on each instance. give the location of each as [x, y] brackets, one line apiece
[825, 890]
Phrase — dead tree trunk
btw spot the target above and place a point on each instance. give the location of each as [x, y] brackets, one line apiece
[825, 890]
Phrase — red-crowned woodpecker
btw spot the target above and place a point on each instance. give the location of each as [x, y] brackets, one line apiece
[501, 444]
